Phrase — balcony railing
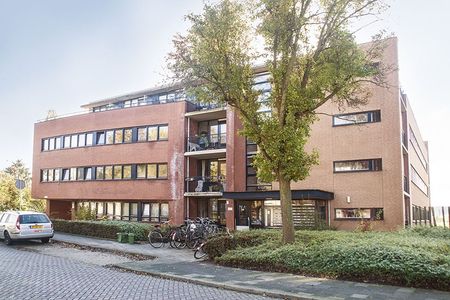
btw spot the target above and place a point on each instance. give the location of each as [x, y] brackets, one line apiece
[207, 142]
[204, 184]
[207, 106]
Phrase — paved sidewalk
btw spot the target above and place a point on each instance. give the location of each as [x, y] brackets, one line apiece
[179, 265]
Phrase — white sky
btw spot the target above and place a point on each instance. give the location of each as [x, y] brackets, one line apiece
[62, 54]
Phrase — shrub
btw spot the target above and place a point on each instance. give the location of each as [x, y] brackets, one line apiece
[84, 213]
[103, 229]
[417, 258]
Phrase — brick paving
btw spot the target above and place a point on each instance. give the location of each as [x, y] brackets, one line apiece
[30, 275]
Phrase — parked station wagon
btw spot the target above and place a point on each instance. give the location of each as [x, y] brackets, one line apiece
[25, 225]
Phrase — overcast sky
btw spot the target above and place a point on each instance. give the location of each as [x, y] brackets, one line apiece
[61, 54]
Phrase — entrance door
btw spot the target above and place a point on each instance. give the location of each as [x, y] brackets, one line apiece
[243, 216]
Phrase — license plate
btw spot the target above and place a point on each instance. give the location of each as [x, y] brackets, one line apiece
[36, 226]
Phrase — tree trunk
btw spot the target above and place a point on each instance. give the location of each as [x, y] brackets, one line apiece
[286, 210]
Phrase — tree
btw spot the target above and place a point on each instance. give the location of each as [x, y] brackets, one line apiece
[312, 57]
[12, 198]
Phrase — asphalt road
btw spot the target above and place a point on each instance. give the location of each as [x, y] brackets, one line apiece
[27, 274]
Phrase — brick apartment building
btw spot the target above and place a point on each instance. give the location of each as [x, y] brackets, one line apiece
[154, 155]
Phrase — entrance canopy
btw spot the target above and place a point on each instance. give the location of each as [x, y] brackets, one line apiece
[275, 195]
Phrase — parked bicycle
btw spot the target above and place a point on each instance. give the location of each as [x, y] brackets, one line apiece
[161, 235]
[200, 252]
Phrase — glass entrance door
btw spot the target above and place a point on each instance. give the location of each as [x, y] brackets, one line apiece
[243, 214]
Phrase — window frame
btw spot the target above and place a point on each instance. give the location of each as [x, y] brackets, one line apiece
[373, 116]
[375, 165]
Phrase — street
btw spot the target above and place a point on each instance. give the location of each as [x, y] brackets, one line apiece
[28, 274]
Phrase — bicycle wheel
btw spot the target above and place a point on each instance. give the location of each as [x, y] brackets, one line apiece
[156, 239]
[179, 239]
[200, 252]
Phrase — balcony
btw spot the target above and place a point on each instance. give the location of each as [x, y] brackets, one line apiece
[206, 146]
[205, 186]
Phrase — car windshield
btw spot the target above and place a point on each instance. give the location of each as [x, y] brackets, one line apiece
[34, 218]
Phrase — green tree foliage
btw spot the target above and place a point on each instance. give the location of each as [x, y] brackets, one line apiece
[10, 196]
[312, 57]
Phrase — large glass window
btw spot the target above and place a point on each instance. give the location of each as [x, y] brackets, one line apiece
[74, 141]
[128, 135]
[154, 212]
[133, 211]
[140, 171]
[163, 132]
[73, 173]
[357, 118]
[117, 210]
[110, 210]
[44, 175]
[117, 172]
[127, 172]
[118, 139]
[100, 209]
[153, 133]
[162, 170]
[164, 212]
[108, 172]
[50, 175]
[67, 141]
[88, 173]
[57, 175]
[80, 173]
[52, 144]
[152, 171]
[89, 139]
[352, 213]
[418, 181]
[58, 143]
[110, 137]
[45, 145]
[65, 174]
[125, 211]
[357, 165]
[100, 173]
[100, 139]
[142, 134]
[82, 140]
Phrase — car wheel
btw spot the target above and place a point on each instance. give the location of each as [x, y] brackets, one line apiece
[45, 240]
[8, 240]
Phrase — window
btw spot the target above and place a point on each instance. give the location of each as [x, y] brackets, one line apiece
[100, 209]
[89, 139]
[128, 135]
[140, 171]
[57, 174]
[164, 212]
[418, 181]
[52, 144]
[162, 171]
[100, 173]
[50, 175]
[74, 141]
[357, 118]
[73, 173]
[163, 132]
[88, 173]
[110, 210]
[117, 210]
[45, 145]
[357, 165]
[44, 175]
[108, 172]
[142, 134]
[100, 138]
[154, 212]
[151, 171]
[153, 133]
[58, 143]
[133, 211]
[417, 148]
[125, 211]
[109, 137]
[359, 213]
[81, 140]
[117, 172]
[127, 172]
[80, 173]
[65, 175]
[118, 138]
[67, 141]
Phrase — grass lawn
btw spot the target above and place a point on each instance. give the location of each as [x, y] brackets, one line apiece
[419, 257]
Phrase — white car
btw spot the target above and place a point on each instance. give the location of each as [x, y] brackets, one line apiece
[25, 225]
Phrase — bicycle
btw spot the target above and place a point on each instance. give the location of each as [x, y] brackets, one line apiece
[157, 238]
[200, 252]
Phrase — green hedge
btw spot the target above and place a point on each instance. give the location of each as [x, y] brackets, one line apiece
[416, 258]
[103, 229]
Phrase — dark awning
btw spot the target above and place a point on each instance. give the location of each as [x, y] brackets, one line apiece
[275, 195]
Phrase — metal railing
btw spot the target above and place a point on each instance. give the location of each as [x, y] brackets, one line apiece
[206, 142]
[205, 184]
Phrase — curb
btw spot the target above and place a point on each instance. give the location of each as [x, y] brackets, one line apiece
[231, 287]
